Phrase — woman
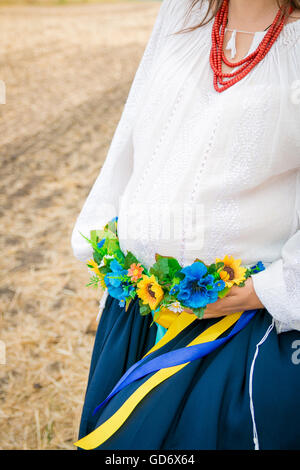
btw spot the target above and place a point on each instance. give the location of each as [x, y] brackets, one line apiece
[219, 157]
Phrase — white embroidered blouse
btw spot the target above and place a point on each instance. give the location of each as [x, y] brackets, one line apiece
[221, 169]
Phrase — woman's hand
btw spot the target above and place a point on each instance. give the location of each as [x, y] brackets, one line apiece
[238, 299]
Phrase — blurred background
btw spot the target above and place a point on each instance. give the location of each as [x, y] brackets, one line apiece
[67, 67]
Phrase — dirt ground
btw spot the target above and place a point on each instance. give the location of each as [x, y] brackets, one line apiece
[67, 71]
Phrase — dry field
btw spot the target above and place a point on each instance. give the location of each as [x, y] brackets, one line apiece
[67, 71]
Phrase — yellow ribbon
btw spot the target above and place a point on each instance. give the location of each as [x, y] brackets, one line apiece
[176, 323]
[166, 317]
[111, 425]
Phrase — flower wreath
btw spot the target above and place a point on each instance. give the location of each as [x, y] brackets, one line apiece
[166, 284]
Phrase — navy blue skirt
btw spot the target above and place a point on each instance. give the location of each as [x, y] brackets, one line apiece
[206, 405]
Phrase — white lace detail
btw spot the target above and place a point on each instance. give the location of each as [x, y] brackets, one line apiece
[198, 175]
[290, 34]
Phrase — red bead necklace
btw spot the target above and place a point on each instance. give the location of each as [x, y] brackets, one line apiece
[217, 56]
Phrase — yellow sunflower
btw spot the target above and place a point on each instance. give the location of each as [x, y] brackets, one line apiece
[150, 291]
[232, 273]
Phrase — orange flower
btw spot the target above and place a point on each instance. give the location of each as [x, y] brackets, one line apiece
[135, 271]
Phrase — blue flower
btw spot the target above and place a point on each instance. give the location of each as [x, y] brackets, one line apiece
[219, 285]
[195, 270]
[258, 267]
[198, 288]
[174, 289]
[115, 283]
[101, 243]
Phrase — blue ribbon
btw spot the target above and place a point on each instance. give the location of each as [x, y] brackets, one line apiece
[174, 358]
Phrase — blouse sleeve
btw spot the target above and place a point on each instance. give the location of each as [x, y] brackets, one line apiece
[278, 286]
[102, 202]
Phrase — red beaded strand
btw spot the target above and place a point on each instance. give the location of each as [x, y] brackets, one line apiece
[217, 56]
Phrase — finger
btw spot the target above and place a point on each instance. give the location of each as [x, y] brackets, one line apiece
[213, 315]
[227, 302]
[235, 290]
[215, 306]
[221, 306]
[217, 314]
[188, 310]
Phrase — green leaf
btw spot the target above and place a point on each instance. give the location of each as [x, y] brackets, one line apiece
[223, 292]
[155, 317]
[104, 270]
[127, 303]
[216, 276]
[112, 246]
[107, 262]
[199, 312]
[97, 234]
[220, 265]
[167, 298]
[133, 294]
[174, 266]
[94, 245]
[241, 284]
[200, 260]
[94, 281]
[249, 272]
[97, 257]
[165, 268]
[160, 269]
[129, 259]
[158, 256]
[212, 268]
[119, 256]
[100, 234]
[144, 309]
[112, 227]
[178, 277]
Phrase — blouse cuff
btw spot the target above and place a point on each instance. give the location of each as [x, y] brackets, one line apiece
[270, 287]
